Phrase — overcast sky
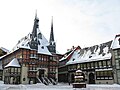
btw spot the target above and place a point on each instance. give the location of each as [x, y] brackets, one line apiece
[76, 22]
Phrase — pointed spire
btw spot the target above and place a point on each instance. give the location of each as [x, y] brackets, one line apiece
[36, 14]
[34, 42]
[52, 46]
[51, 33]
[36, 25]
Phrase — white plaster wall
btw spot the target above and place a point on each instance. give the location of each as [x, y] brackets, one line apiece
[57, 74]
[104, 81]
[24, 74]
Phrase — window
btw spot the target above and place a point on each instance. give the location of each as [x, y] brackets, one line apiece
[73, 59]
[92, 66]
[78, 66]
[16, 70]
[40, 36]
[117, 64]
[104, 63]
[51, 58]
[117, 53]
[104, 75]
[100, 64]
[88, 65]
[31, 55]
[42, 47]
[30, 68]
[84, 65]
[12, 69]
[96, 64]
[109, 63]
[118, 73]
[39, 58]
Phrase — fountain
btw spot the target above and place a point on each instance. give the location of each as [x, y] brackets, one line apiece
[79, 80]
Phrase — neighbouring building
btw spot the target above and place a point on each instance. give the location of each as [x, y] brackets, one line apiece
[3, 51]
[100, 63]
[33, 59]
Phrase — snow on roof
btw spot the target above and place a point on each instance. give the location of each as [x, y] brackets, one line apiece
[23, 43]
[79, 71]
[67, 54]
[94, 53]
[4, 49]
[43, 50]
[116, 42]
[13, 63]
[77, 77]
[107, 69]
[43, 40]
[42, 45]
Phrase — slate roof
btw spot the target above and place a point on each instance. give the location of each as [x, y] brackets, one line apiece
[4, 49]
[37, 38]
[95, 53]
[116, 42]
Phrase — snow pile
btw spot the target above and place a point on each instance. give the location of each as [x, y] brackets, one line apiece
[78, 71]
[63, 86]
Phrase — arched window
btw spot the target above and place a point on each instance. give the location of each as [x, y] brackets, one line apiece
[40, 36]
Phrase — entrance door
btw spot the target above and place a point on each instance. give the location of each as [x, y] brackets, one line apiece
[91, 78]
[72, 78]
[41, 73]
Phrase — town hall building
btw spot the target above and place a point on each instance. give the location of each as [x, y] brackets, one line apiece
[32, 60]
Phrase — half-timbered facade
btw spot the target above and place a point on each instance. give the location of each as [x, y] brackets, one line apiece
[99, 63]
[3, 51]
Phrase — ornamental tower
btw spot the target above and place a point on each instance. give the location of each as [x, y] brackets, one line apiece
[34, 42]
[52, 44]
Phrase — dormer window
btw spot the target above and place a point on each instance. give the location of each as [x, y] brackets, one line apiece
[73, 59]
[40, 36]
[42, 47]
[119, 41]
[39, 42]
[90, 56]
[103, 54]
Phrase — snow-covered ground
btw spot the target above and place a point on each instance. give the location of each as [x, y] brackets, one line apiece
[57, 87]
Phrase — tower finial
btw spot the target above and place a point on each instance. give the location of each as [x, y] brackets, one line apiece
[52, 46]
[52, 20]
[51, 34]
[36, 14]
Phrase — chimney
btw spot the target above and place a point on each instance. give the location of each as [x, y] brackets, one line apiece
[73, 47]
